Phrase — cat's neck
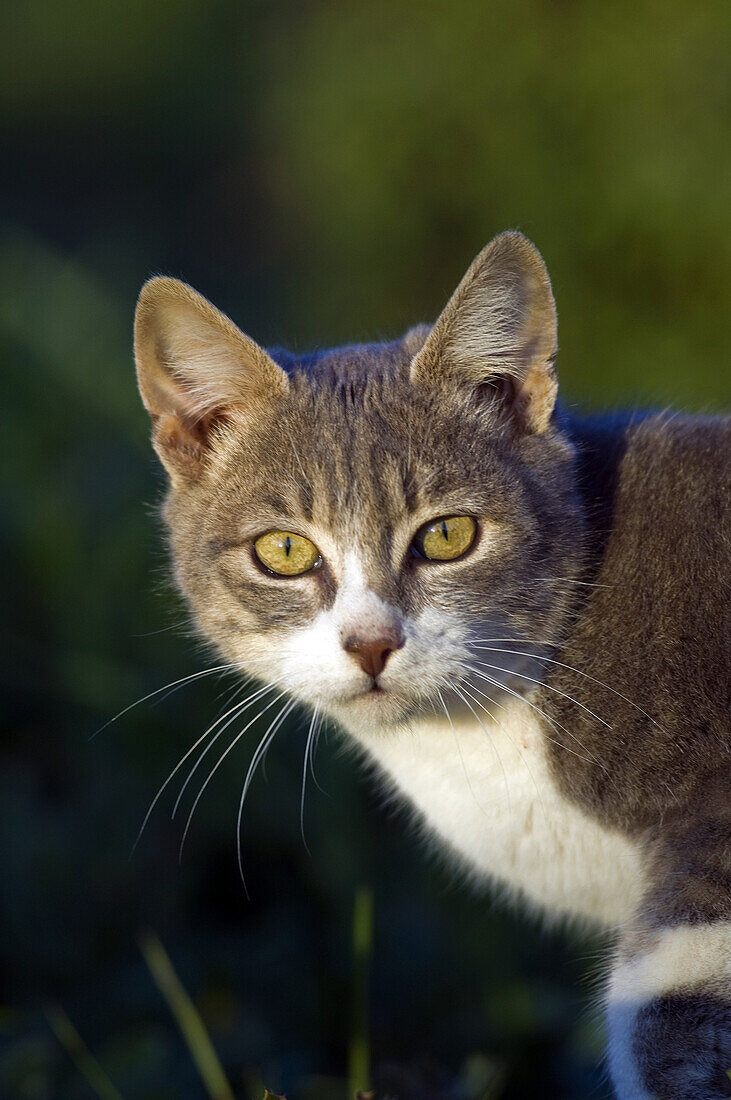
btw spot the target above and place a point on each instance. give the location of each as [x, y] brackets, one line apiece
[483, 788]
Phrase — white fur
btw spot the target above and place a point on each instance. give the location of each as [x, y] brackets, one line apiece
[680, 958]
[486, 792]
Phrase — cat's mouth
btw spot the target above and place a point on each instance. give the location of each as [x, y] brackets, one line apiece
[375, 691]
[374, 707]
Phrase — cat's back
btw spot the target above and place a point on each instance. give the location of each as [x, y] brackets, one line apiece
[655, 628]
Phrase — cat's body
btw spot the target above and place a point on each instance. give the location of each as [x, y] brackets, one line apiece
[520, 616]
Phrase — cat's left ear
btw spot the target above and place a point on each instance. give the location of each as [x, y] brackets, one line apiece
[498, 332]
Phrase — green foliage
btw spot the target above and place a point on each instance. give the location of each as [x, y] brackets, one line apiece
[85, 1061]
[359, 1070]
[187, 1017]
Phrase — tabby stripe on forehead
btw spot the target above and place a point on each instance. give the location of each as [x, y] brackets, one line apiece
[277, 504]
[306, 499]
[380, 486]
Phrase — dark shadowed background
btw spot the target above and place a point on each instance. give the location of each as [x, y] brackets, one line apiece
[324, 172]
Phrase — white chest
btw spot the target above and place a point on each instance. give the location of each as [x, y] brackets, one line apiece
[486, 792]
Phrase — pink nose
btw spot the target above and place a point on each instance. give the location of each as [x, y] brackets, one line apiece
[372, 655]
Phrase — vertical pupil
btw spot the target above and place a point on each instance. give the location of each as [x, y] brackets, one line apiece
[445, 531]
[287, 545]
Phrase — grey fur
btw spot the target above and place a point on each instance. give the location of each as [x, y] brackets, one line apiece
[682, 1044]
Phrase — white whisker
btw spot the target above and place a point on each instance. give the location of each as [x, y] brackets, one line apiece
[166, 687]
[177, 768]
[218, 763]
[481, 724]
[236, 711]
[514, 743]
[305, 766]
[313, 750]
[574, 580]
[261, 749]
[589, 759]
[549, 687]
[561, 664]
[461, 755]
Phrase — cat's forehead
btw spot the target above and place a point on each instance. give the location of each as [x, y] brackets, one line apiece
[359, 406]
[356, 449]
[340, 452]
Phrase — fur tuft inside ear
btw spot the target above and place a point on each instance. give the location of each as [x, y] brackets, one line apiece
[195, 368]
[499, 330]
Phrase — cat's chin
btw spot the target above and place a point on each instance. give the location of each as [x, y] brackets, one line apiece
[373, 710]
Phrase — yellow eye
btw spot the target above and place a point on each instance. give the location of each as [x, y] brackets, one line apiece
[286, 553]
[446, 539]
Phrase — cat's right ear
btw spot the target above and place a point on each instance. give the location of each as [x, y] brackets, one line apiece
[196, 370]
[497, 334]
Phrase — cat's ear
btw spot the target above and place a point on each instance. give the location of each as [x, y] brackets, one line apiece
[498, 333]
[196, 369]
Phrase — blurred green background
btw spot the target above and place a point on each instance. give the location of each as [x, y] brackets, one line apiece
[324, 172]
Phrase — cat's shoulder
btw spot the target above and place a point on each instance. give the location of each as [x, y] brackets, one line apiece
[701, 441]
[659, 465]
[658, 435]
[676, 471]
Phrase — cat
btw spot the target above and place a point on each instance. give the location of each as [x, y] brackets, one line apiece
[520, 615]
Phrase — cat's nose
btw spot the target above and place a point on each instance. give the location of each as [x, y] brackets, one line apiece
[373, 653]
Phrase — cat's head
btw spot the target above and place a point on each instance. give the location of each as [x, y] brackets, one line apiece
[348, 524]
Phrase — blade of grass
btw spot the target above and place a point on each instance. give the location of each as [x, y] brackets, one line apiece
[187, 1018]
[359, 1070]
[84, 1060]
